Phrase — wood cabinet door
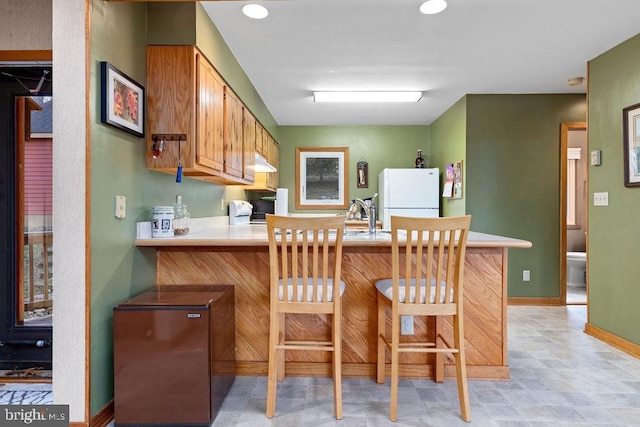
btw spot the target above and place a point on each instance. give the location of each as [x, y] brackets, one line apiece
[233, 152]
[209, 116]
[170, 100]
[249, 145]
[273, 155]
[259, 132]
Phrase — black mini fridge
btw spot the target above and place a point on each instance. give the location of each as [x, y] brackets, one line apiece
[174, 355]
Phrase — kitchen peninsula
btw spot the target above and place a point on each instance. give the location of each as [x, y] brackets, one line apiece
[239, 256]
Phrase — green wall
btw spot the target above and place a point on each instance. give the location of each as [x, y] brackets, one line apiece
[614, 294]
[448, 145]
[380, 146]
[120, 270]
[511, 174]
[513, 179]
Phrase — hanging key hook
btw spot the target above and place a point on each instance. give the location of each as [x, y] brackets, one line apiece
[179, 171]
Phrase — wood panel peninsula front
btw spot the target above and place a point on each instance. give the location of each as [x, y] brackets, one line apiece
[238, 255]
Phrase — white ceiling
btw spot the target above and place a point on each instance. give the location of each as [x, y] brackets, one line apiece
[473, 47]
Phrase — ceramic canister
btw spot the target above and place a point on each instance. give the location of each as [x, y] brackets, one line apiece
[162, 221]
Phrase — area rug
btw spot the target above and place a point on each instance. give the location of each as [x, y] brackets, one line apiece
[25, 394]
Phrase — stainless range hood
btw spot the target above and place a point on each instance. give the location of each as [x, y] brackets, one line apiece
[262, 165]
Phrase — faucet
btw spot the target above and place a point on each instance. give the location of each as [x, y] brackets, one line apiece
[368, 206]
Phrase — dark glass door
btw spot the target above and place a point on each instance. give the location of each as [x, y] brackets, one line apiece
[26, 230]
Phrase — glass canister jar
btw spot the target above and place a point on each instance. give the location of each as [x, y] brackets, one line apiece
[181, 217]
[162, 221]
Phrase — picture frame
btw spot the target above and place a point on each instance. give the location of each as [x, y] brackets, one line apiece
[631, 142]
[453, 181]
[122, 100]
[322, 175]
[362, 175]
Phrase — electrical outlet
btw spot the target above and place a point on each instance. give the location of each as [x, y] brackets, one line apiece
[406, 325]
[526, 275]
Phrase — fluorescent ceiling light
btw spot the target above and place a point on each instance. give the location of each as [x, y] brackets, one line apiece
[431, 7]
[327, 96]
[255, 11]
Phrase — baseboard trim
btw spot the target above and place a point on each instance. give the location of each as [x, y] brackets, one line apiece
[533, 301]
[103, 416]
[613, 340]
[101, 419]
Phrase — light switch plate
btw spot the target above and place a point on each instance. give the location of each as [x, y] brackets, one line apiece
[120, 207]
[601, 199]
[595, 157]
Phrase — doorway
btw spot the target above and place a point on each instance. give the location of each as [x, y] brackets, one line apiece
[573, 215]
[26, 231]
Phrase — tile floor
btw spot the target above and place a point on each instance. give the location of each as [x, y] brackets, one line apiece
[576, 295]
[559, 377]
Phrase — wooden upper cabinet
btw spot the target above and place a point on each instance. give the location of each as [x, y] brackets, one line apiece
[233, 152]
[249, 145]
[186, 101]
[210, 115]
[273, 156]
[170, 99]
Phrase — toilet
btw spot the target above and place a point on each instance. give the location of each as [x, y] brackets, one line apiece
[577, 269]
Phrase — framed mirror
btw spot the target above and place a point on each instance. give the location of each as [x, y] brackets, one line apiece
[322, 175]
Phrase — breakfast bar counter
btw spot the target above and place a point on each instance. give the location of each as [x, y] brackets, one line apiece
[238, 255]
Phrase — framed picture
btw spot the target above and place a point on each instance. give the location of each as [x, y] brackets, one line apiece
[453, 181]
[322, 175]
[363, 174]
[122, 101]
[631, 137]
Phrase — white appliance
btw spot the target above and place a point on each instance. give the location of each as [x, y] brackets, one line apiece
[408, 192]
[239, 212]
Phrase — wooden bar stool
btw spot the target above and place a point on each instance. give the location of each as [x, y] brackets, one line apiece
[427, 277]
[305, 256]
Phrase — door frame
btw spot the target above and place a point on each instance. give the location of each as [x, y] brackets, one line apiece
[565, 128]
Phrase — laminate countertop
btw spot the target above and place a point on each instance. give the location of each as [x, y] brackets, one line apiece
[256, 235]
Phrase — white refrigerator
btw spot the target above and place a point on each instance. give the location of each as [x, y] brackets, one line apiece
[408, 192]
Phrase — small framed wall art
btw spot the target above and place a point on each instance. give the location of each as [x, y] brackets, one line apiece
[363, 174]
[122, 101]
[453, 181]
[631, 140]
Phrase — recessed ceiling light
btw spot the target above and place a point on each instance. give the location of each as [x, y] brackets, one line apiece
[431, 7]
[328, 96]
[255, 11]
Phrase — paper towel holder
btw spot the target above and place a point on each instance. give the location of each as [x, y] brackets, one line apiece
[239, 212]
